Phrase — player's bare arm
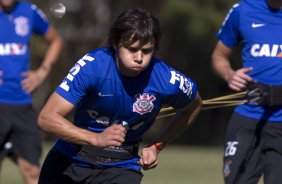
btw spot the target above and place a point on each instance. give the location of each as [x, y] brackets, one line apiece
[52, 120]
[183, 119]
[34, 78]
[237, 80]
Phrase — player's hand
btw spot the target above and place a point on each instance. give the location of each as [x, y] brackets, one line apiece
[32, 80]
[239, 79]
[113, 135]
[149, 158]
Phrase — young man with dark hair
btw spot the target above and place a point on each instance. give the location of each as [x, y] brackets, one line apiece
[116, 92]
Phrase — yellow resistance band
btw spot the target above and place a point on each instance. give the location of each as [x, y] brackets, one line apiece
[223, 101]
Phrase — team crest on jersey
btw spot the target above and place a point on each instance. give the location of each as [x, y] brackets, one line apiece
[21, 26]
[144, 103]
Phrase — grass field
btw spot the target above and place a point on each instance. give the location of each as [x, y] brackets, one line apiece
[177, 165]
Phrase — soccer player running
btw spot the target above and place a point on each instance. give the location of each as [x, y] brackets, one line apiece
[117, 92]
[19, 134]
[254, 133]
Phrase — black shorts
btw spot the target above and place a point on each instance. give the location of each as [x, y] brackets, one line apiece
[253, 147]
[58, 169]
[19, 134]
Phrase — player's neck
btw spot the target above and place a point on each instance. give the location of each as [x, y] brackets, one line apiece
[275, 3]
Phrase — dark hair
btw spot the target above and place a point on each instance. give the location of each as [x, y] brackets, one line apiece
[134, 25]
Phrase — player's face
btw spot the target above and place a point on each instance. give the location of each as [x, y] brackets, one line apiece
[6, 4]
[133, 60]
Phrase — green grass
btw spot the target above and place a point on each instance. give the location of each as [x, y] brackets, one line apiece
[10, 173]
[189, 165]
[177, 164]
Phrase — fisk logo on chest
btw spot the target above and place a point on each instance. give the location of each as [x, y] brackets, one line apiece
[144, 103]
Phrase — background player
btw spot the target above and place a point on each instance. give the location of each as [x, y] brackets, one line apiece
[19, 135]
[254, 134]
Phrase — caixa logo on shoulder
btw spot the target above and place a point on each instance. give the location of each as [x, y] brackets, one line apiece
[185, 85]
[144, 103]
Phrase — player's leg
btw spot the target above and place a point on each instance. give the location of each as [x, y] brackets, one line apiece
[29, 171]
[272, 173]
[5, 132]
[240, 147]
[26, 141]
[252, 171]
[273, 153]
[58, 168]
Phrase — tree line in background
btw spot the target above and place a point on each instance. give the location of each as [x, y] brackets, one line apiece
[189, 30]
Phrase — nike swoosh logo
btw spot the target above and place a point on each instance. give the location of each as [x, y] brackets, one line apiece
[100, 94]
[254, 25]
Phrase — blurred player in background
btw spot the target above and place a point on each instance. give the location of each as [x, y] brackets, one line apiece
[116, 92]
[19, 135]
[254, 135]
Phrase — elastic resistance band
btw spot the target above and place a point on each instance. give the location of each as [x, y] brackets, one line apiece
[219, 102]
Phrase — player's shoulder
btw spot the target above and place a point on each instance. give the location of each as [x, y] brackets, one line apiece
[102, 53]
[237, 7]
[246, 3]
[170, 79]
[96, 60]
[249, 5]
[238, 10]
[257, 5]
[241, 6]
[101, 56]
[159, 65]
[26, 5]
[162, 69]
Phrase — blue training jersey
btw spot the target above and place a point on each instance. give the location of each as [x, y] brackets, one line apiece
[16, 29]
[258, 27]
[103, 96]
